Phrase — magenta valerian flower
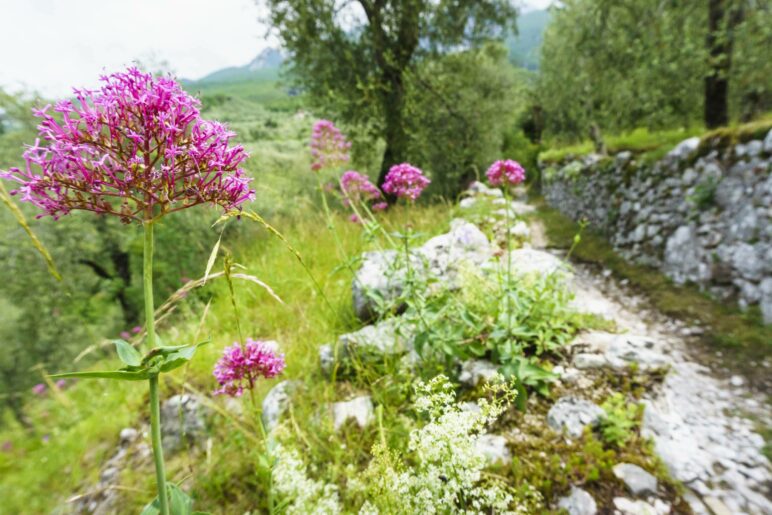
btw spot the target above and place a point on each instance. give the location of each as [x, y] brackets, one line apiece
[240, 366]
[61, 384]
[506, 172]
[328, 146]
[405, 181]
[136, 148]
[358, 188]
[39, 389]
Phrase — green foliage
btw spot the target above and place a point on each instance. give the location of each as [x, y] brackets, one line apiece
[643, 62]
[704, 195]
[353, 60]
[458, 108]
[621, 419]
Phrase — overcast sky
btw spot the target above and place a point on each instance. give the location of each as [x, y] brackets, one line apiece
[50, 45]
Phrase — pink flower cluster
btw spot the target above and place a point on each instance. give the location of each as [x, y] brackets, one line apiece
[358, 188]
[328, 146]
[240, 366]
[136, 148]
[405, 181]
[507, 172]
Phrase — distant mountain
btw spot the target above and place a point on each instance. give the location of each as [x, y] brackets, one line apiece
[524, 48]
[265, 66]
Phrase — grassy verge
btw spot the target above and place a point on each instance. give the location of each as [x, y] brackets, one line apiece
[653, 145]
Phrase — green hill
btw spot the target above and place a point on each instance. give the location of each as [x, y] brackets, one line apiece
[525, 46]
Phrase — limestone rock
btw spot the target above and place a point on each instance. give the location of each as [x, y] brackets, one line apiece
[382, 273]
[385, 337]
[630, 507]
[475, 370]
[276, 403]
[573, 415]
[600, 349]
[683, 260]
[379, 276]
[768, 143]
[531, 261]
[359, 409]
[766, 300]
[638, 481]
[495, 449]
[578, 502]
[464, 243]
[184, 422]
[685, 148]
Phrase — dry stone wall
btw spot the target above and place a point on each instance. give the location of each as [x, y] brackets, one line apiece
[701, 214]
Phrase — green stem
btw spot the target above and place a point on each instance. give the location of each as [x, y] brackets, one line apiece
[147, 278]
[158, 452]
[509, 258]
[155, 407]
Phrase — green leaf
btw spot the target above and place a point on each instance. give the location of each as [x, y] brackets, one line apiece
[180, 503]
[212, 258]
[128, 354]
[123, 375]
[179, 357]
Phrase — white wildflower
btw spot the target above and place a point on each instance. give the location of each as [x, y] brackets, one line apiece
[304, 495]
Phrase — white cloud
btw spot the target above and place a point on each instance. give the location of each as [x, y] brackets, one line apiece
[51, 45]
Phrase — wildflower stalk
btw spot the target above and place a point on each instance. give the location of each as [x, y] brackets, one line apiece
[331, 226]
[509, 259]
[155, 407]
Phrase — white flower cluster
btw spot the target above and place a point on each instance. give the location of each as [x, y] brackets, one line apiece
[446, 475]
[303, 494]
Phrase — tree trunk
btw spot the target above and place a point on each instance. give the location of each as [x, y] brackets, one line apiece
[394, 133]
[722, 19]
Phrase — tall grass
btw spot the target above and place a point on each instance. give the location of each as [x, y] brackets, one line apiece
[36, 476]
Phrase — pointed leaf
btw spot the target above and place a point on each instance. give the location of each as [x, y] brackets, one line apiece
[180, 357]
[123, 375]
[212, 258]
[128, 354]
[180, 503]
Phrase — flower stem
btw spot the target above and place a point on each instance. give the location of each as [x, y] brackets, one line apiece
[147, 277]
[158, 452]
[509, 259]
[155, 407]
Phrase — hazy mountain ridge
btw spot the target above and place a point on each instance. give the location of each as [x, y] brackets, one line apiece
[523, 49]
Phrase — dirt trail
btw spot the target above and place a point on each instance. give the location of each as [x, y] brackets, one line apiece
[703, 426]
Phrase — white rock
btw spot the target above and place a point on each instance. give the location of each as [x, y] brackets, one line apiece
[183, 421]
[584, 361]
[685, 148]
[128, 435]
[573, 415]
[276, 403]
[768, 142]
[495, 449]
[360, 409]
[629, 507]
[578, 502]
[475, 370]
[531, 261]
[638, 481]
[386, 337]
